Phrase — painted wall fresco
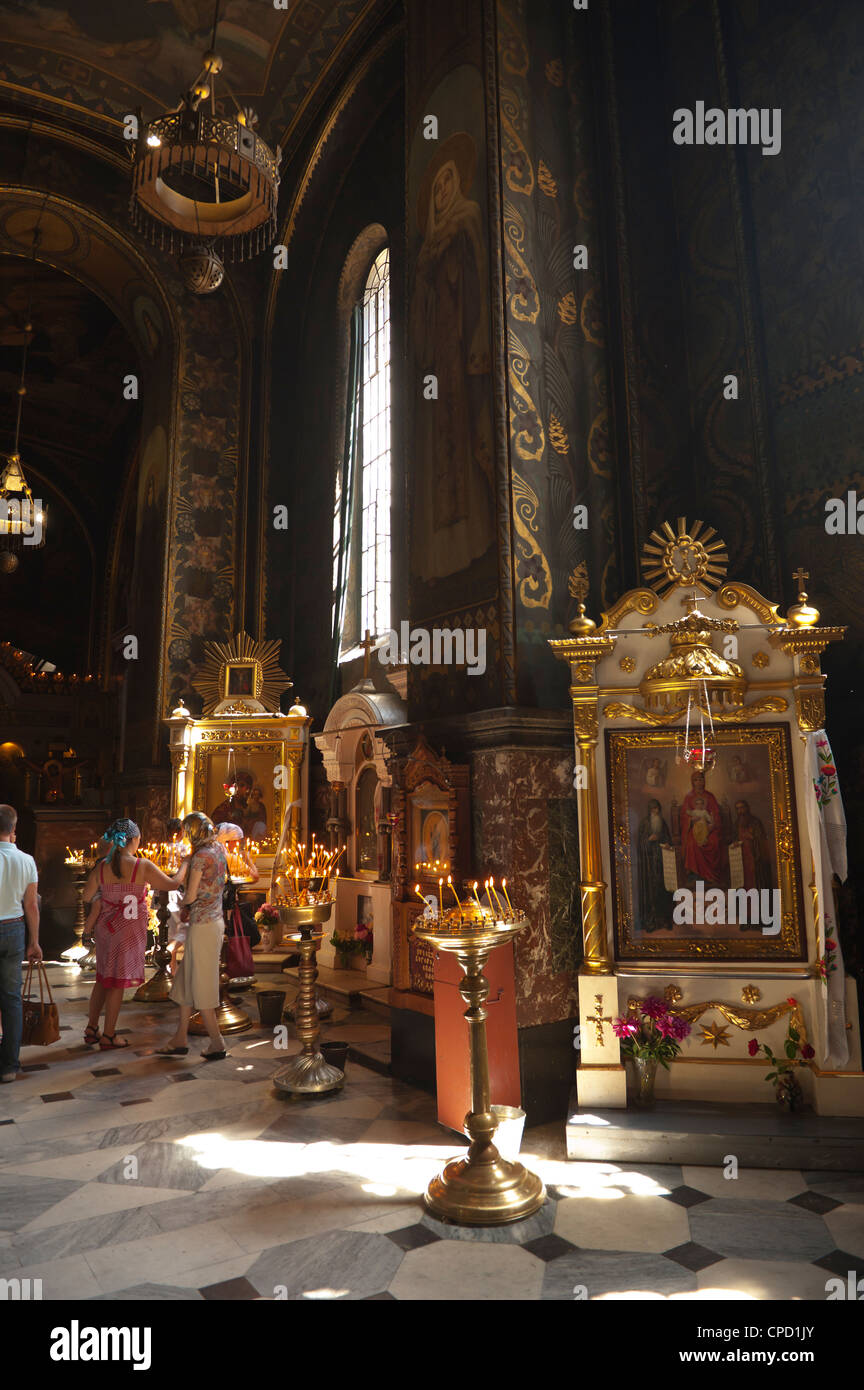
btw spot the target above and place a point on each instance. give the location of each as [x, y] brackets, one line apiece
[729, 261]
[557, 378]
[203, 540]
[521, 828]
[105, 60]
[453, 455]
[689, 305]
[806, 207]
[451, 477]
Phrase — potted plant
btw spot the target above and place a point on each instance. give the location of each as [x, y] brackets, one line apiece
[787, 1087]
[650, 1033]
[267, 921]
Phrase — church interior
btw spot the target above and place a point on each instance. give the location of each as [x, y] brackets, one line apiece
[423, 425]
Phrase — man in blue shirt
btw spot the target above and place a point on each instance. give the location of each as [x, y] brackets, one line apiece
[19, 935]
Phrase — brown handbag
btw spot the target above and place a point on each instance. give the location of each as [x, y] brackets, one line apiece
[41, 1018]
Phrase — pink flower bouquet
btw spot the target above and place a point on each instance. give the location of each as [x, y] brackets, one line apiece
[651, 1030]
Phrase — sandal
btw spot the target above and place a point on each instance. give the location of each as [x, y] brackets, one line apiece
[91, 1041]
[108, 1043]
[171, 1051]
[214, 1056]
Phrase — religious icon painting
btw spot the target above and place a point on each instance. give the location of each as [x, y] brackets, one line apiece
[256, 804]
[430, 830]
[241, 678]
[705, 864]
[434, 838]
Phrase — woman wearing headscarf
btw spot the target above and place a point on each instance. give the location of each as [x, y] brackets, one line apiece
[196, 982]
[232, 908]
[117, 888]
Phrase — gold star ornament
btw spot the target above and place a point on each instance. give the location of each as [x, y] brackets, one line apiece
[716, 1034]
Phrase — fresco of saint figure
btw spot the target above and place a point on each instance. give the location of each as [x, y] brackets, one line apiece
[454, 512]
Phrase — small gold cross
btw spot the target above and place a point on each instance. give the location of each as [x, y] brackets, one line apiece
[367, 644]
[598, 1018]
[799, 576]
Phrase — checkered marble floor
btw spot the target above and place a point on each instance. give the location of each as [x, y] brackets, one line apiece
[126, 1177]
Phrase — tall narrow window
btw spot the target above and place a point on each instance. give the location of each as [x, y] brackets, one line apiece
[375, 456]
[361, 519]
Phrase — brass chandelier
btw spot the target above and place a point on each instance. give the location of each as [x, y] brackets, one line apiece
[204, 184]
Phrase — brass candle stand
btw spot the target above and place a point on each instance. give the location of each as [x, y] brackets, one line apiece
[80, 867]
[482, 1189]
[307, 1073]
[157, 989]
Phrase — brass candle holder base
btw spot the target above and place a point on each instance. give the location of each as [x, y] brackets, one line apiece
[78, 950]
[157, 989]
[87, 963]
[482, 1189]
[231, 1017]
[307, 1073]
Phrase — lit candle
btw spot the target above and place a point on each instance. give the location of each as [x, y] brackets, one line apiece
[440, 899]
[455, 894]
[507, 896]
[479, 904]
[419, 894]
[498, 908]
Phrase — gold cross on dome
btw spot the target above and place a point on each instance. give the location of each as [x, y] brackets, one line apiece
[598, 1018]
[799, 576]
[368, 646]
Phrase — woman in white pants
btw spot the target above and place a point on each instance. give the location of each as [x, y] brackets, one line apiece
[196, 981]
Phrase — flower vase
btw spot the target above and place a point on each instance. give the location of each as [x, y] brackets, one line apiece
[644, 1074]
[788, 1091]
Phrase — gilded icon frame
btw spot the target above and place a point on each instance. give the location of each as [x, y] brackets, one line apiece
[768, 747]
[232, 670]
[210, 764]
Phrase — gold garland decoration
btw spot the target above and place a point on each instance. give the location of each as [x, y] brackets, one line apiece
[749, 1020]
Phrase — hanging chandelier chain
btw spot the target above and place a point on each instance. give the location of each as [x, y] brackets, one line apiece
[28, 325]
[215, 23]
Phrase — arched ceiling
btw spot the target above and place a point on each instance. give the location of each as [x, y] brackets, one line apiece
[78, 441]
[74, 411]
[94, 61]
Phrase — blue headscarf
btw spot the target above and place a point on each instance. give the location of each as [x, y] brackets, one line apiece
[118, 835]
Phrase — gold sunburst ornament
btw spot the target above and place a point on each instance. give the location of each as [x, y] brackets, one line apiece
[682, 558]
[241, 677]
